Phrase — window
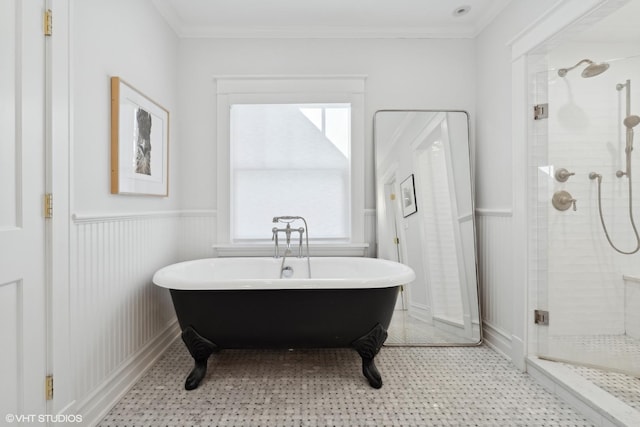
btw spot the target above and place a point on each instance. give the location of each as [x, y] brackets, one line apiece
[290, 146]
[290, 159]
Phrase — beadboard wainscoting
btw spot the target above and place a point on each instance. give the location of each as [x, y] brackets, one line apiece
[120, 322]
[496, 279]
[197, 234]
[370, 231]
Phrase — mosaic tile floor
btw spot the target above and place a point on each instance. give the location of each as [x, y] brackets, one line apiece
[618, 351]
[423, 386]
[624, 387]
[612, 362]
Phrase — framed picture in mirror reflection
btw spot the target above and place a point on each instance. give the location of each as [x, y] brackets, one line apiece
[408, 197]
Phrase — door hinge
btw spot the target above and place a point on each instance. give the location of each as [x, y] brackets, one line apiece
[48, 22]
[541, 317]
[392, 196]
[48, 205]
[396, 240]
[540, 111]
[48, 387]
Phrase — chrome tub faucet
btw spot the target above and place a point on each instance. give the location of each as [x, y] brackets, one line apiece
[287, 230]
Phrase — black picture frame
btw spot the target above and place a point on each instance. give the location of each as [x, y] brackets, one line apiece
[408, 196]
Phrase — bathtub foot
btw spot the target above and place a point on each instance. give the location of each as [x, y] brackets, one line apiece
[367, 347]
[200, 349]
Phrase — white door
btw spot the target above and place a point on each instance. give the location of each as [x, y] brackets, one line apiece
[22, 226]
[392, 222]
[393, 239]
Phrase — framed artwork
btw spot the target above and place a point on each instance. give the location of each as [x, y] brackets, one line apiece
[408, 197]
[139, 142]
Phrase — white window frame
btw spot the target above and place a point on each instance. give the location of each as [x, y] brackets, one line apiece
[232, 90]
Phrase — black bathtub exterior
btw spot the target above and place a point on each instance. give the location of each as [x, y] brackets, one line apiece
[212, 320]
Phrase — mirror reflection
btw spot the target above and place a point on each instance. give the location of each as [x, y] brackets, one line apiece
[425, 220]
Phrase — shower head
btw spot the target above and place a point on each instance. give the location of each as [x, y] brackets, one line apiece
[631, 121]
[591, 70]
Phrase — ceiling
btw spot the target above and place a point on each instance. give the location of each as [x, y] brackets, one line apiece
[328, 18]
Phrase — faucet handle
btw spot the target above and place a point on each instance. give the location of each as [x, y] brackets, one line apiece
[562, 200]
[562, 175]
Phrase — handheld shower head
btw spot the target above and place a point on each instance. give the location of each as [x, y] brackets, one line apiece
[631, 121]
[591, 70]
[285, 218]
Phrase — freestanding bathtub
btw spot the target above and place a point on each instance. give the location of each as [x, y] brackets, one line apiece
[242, 303]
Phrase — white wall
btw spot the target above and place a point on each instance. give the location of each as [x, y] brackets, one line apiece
[493, 123]
[119, 321]
[142, 51]
[502, 292]
[405, 74]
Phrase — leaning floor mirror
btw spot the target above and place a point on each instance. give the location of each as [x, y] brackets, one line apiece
[425, 219]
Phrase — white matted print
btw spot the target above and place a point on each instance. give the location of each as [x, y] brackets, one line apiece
[408, 197]
[139, 143]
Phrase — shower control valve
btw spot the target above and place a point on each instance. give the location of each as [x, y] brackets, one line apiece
[562, 175]
[562, 201]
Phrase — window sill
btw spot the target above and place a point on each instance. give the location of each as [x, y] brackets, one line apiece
[316, 250]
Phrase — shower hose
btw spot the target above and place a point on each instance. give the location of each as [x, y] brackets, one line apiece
[633, 224]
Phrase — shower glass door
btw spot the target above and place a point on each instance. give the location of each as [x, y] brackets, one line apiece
[589, 290]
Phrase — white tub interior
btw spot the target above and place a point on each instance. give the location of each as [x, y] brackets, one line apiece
[264, 273]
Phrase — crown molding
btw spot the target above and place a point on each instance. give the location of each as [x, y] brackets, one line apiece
[323, 33]
[466, 31]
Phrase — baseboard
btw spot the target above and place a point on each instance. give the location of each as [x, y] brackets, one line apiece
[518, 353]
[106, 395]
[498, 340]
[421, 312]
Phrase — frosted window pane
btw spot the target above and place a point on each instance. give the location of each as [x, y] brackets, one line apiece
[317, 195]
[314, 115]
[338, 128]
[283, 163]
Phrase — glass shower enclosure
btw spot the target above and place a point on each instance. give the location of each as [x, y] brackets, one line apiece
[585, 205]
